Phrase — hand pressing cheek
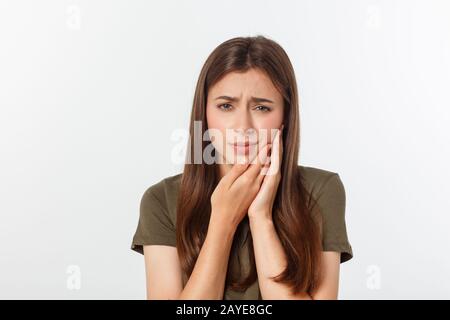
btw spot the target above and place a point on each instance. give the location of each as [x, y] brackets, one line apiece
[242, 108]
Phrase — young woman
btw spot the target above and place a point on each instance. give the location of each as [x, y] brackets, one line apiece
[252, 224]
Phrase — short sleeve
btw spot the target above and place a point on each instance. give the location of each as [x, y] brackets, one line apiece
[154, 226]
[331, 201]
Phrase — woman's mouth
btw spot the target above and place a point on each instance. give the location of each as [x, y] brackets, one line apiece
[243, 148]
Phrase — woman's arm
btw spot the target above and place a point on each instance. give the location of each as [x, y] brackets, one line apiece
[271, 260]
[163, 272]
[229, 202]
[207, 281]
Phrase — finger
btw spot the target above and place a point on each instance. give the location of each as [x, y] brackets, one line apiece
[236, 171]
[275, 157]
[281, 144]
[265, 168]
[263, 172]
[260, 160]
[253, 154]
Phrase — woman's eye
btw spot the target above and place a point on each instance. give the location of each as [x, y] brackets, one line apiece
[225, 106]
[263, 108]
[228, 107]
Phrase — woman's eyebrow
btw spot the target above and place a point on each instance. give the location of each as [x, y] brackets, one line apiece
[253, 99]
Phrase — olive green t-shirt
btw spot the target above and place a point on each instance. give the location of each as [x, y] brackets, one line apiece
[157, 219]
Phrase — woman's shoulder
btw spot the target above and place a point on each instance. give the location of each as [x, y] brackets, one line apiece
[163, 194]
[157, 214]
[314, 179]
[324, 186]
[329, 197]
[164, 186]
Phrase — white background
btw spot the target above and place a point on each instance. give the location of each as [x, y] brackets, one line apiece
[92, 91]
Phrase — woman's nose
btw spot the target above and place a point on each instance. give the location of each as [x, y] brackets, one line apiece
[244, 123]
[245, 133]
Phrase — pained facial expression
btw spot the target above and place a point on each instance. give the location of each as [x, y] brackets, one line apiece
[241, 110]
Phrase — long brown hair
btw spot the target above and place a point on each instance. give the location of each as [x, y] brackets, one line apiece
[296, 227]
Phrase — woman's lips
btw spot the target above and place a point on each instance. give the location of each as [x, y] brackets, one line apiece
[242, 148]
[243, 144]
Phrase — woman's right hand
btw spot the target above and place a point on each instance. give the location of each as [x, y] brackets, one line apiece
[237, 189]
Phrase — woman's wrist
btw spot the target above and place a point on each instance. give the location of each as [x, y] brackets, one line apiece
[258, 217]
[223, 228]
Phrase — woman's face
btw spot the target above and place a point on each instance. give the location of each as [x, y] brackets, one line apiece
[241, 110]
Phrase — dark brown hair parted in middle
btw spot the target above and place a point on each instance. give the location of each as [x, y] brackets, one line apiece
[296, 227]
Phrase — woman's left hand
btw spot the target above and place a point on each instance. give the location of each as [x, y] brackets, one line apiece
[261, 207]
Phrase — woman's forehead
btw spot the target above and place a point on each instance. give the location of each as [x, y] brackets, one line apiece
[238, 85]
